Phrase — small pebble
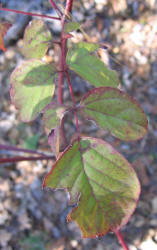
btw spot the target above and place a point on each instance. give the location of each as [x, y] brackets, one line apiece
[74, 243]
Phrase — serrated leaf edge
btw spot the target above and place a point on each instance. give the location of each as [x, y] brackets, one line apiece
[67, 189]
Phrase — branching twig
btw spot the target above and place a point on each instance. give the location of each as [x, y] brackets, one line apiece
[29, 13]
[17, 159]
[62, 63]
[13, 148]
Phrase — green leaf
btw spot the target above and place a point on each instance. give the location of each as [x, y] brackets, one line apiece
[69, 27]
[102, 183]
[36, 38]
[90, 67]
[52, 118]
[113, 109]
[91, 47]
[32, 88]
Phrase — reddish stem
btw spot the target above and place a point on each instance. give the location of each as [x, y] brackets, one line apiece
[17, 159]
[13, 148]
[69, 5]
[62, 59]
[29, 13]
[121, 240]
[61, 70]
[73, 99]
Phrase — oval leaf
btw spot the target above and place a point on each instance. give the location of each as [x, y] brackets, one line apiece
[100, 180]
[32, 88]
[69, 27]
[36, 38]
[91, 68]
[113, 109]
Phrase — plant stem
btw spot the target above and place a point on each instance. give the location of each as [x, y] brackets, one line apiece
[17, 159]
[73, 100]
[56, 8]
[62, 59]
[61, 71]
[13, 148]
[29, 13]
[121, 240]
[69, 5]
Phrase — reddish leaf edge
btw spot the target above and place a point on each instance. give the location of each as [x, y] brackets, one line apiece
[93, 236]
[67, 190]
[123, 93]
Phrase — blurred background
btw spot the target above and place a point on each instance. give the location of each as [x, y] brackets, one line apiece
[35, 219]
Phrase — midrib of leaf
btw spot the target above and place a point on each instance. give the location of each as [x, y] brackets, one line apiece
[87, 180]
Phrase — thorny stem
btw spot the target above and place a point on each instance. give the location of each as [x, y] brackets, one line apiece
[121, 240]
[31, 158]
[29, 13]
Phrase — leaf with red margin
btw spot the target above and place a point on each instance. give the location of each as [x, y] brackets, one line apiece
[113, 109]
[102, 183]
[3, 30]
[53, 115]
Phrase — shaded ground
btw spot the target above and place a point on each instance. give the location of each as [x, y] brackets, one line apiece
[32, 218]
